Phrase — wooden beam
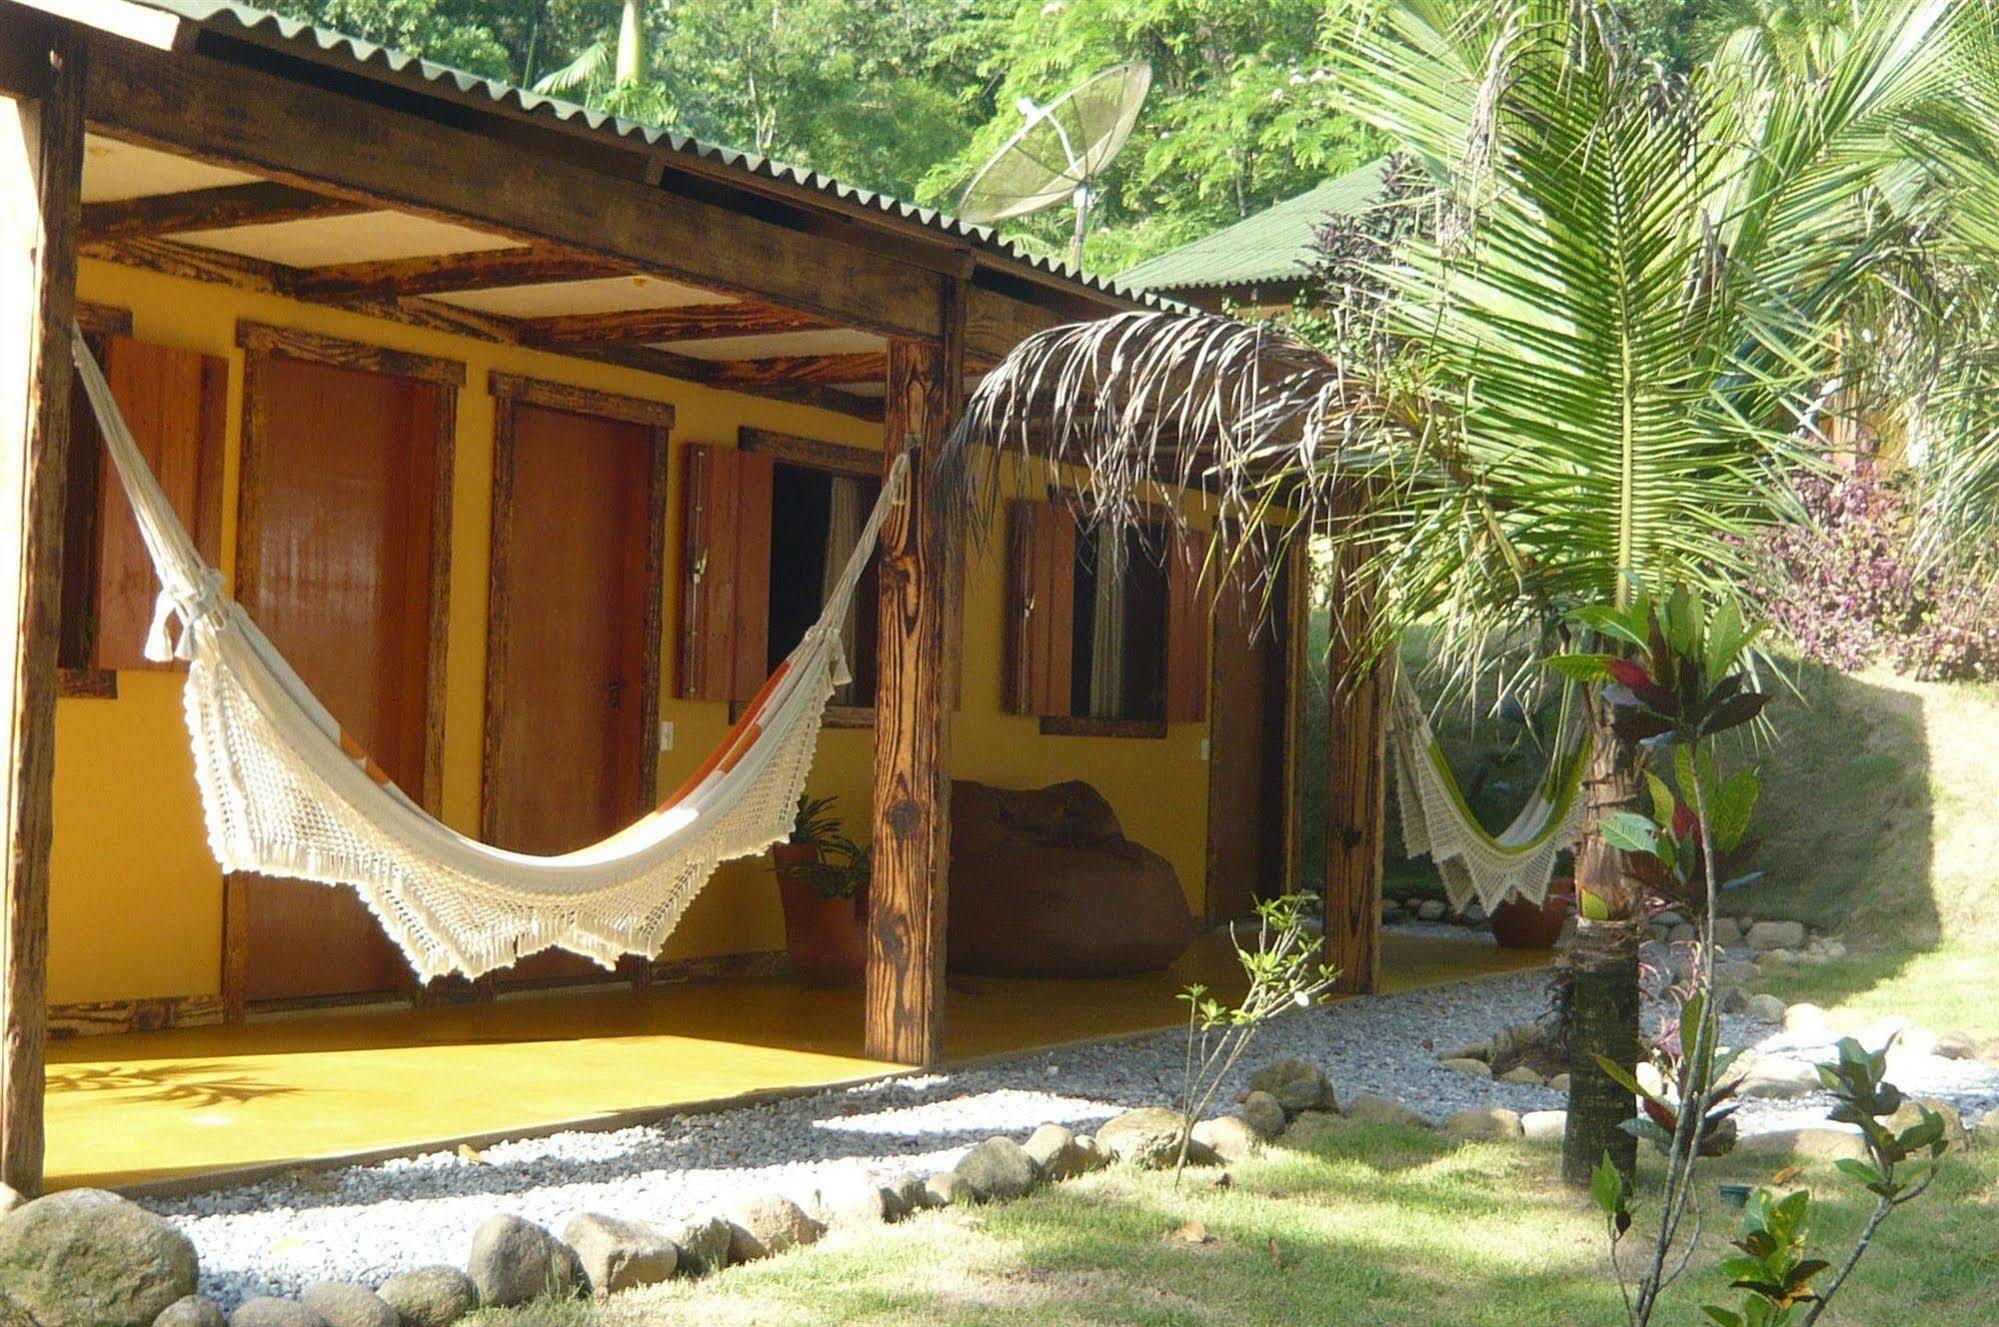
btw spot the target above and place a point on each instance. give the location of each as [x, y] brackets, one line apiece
[41, 179]
[242, 117]
[919, 567]
[224, 208]
[121, 18]
[487, 269]
[1357, 778]
[693, 322]
[799, 370]
[996, 323]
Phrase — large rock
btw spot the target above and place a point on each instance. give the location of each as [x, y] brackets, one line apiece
[270, 1311]
[997, 1170]
[1045, 884]
[1767, 1078]
[1368, 1108]
[513, 1261]
[703, 1243]
[1910, 1115]
[87, 1258]
[1149, 1138]
[430, 1296]
[1521, 1075]
[1765, 1008]
[1485, 1122]
[1464, 1064]
[1815, 1143]
[850, 1197]
[1957, 1046]
[1806, 1020]
[768, 1224]
[1229, 1137]
[1054, 1153]
[345, 1304]
[618, 1254]
[1986, 1134]
[1263, 1113]
[1297, 1085]
[192, 1311]
[1765, 936]
[1544, 1126]
[946, 1189]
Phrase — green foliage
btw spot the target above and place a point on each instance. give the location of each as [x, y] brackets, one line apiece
[1240, 116]
[844, 867]
[815, 822]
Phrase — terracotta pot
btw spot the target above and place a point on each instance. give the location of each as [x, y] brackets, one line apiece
[826, 937]
[1518, 924]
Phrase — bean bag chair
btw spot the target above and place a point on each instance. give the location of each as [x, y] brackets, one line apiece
[1045, 884]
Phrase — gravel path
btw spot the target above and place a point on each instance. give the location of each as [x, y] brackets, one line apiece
[367, 1222]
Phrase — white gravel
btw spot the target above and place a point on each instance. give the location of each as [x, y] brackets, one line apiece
[367, 1222]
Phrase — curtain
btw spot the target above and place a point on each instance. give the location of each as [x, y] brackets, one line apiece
[1107, 628]
[844, 518]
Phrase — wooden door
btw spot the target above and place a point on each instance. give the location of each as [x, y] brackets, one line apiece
[1247, 749]
[572, 673]
[342, 472]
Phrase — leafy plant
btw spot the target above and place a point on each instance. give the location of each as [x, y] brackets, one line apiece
[843, 869]
[815, 822]
[1284, 974]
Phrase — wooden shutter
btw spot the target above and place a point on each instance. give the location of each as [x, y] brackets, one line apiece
[176, 402]
[1041, 609]
[725, 569]
[1189, 622]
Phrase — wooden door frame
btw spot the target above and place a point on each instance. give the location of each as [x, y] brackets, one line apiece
[509, 392]
[262, 343]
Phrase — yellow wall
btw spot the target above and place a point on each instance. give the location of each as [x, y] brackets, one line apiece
[136, 899]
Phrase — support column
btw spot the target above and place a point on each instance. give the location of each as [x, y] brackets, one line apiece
[920, 567]
[41, 172]
[1356, 778]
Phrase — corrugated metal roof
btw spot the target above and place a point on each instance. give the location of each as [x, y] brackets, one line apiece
[1273, 245]
[222, 15]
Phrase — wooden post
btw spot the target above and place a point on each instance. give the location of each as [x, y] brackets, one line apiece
[912, 812]
[1356, 778]
[41, 173]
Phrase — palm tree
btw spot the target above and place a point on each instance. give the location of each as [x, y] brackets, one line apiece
[1597, 359]
[607, 65]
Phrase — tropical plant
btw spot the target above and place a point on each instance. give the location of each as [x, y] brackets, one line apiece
[1603, 355]
[814, 823]
[1284, 974]
[842, 869]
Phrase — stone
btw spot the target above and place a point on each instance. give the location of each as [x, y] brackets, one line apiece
[1559, 1083]
[1473, 915]
[1670, 918]
[1805, 1020]
[1815, 1143]
[1986, 1134]
[1732, 1000]
[1090, 1154]
[618, 1254]
[1779, 956]
[1776, 935]
[1523, 1076]
[1309, 1131]
[1765, 1008]
[192, 1311]
[1544, 1126]
[1467, 1065]
[1298, 1086]
[1471, 1050]
[1835, 948]
[270, 1311]
[853, 1198]
[1431, 910]
[703, 1243]
[1368, 1108]
[514, 1260]
[1649, 1078]
[1957, 1046]
[1391, 910]
[1149, 1138]
[1263, 1113]
[1230, 1137]
[767, 1224]
[430, 1296]
[909, 1190]
[997, 1170]
[1682, 934]
[1910, 1115]
[1769, 1079]
[1727, 932]
[10, 1198]
[88, 1258]
[1484, 1122]
[345, 1304]
[945, 1189]
[1052, 1149]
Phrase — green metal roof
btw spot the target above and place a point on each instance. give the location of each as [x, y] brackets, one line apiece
[325, 44]
[1273, 245]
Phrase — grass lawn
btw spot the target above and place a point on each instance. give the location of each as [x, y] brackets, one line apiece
[1381, 1227]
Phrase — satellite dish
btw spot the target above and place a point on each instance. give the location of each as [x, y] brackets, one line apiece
[1061, 152]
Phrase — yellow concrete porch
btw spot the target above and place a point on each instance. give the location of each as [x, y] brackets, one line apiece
[160, 1106]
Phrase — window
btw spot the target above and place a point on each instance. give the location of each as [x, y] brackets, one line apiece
[767, 531]
[175, 402]
[1105, 638]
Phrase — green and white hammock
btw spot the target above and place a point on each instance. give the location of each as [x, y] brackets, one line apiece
[1437, 821]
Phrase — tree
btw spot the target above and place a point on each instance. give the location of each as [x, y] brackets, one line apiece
[1598, 362]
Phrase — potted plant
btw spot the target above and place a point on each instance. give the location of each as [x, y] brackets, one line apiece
[1518, 924]
[822, 880]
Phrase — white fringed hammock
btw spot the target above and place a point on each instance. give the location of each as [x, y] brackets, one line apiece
[287, 793]
[1436, 819]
